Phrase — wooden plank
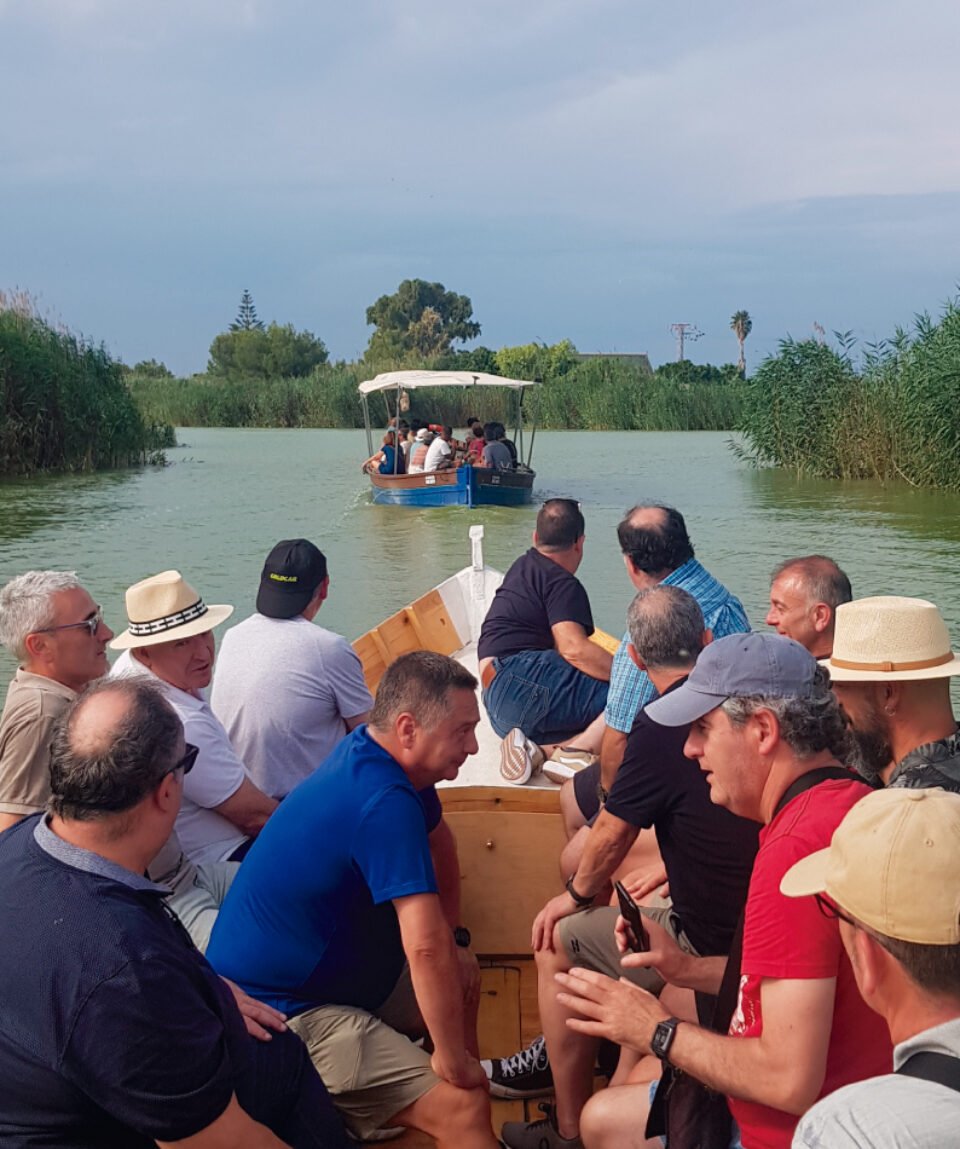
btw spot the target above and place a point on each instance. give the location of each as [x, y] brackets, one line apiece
[607, 641]
[433, 624]
[492, 799]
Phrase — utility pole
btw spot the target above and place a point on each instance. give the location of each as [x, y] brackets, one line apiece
[684, 331]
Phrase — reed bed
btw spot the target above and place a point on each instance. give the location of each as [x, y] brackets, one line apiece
[66, 406]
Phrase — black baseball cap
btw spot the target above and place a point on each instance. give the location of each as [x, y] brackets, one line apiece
[293, 571]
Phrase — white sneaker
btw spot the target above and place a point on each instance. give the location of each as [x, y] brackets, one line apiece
[520, 758]
[566, 762]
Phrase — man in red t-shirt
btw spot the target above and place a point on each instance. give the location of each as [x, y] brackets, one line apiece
[763, 716]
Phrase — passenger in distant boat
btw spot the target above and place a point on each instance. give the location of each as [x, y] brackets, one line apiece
[338, 916]
[439, 455]
[392, 460]
[51, 623]
[475, 445]
[891, 668]
[905, 953]
[804, 596]
[114, 1031]
[767, 732]
[288, 691]
[708, 852]
[495, 455]
[508, 443]
[170, 640]
[410, 441]
[542, 676]
[418, 456]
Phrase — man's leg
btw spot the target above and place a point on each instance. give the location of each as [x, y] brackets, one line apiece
[616, 1118]
[455, 1118]
[541, 694]
[197, 902]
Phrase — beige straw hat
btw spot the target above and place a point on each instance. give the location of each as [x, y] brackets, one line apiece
[890, 639]
[892, 864]
[163, 608]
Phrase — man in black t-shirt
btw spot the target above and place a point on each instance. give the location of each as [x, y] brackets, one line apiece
[708, 853]
[543, 679]
[115, 1032]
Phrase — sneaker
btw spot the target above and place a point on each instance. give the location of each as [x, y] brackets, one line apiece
[566, 761]
[520, 758]
[526, 1074]
[540, 1134]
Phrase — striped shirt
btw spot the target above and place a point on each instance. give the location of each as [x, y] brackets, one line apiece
[723, 613]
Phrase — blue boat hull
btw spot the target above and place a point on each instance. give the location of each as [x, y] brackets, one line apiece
[463, 487]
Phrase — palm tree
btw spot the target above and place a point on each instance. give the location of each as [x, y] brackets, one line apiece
[741, 325]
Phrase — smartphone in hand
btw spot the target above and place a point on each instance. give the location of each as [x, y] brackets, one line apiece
[638, 939]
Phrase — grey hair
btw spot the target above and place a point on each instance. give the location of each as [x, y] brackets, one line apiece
[666, 627]
[824, 581]
[808, 725]
[112, 772]
[418, 683]
[26, 606]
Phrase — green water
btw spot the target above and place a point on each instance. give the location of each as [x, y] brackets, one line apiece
[229, 495]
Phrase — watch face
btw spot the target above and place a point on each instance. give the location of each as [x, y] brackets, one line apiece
[461, 935]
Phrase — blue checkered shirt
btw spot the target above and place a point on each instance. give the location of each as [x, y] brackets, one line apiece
[630, 688]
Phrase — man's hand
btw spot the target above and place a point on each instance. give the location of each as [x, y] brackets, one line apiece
[465, 1071]
[664, 955]
[640, 883]
[617, 1010]
[562, 906]
[256, 1015]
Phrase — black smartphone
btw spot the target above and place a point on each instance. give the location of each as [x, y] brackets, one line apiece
[639, 940]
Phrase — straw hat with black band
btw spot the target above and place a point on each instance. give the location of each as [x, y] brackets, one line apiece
[889, 638]
[164, 608]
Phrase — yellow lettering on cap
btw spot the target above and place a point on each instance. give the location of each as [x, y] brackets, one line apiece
[284, 578]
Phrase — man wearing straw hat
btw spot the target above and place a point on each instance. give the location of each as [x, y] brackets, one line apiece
[170, 639]
[891, 668]
[890, 877]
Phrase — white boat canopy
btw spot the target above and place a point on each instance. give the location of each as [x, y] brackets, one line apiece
[411, 380]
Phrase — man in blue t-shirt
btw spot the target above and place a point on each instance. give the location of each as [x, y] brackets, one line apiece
[543, 678]
[335, 918]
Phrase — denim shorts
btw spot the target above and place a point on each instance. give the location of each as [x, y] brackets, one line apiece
[542, 694]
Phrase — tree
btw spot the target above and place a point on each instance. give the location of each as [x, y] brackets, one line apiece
[275, 352]
[150, 369]
[420, 319]
[247, 319]
[741, 325]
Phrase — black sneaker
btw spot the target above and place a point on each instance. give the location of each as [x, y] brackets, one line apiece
[540, 1134]
[526, 1074]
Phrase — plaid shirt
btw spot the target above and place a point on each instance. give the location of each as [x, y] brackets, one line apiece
[630, 688]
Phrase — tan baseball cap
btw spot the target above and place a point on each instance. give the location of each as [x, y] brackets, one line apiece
[893, 865]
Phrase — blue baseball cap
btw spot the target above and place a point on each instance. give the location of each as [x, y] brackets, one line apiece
[738, 666]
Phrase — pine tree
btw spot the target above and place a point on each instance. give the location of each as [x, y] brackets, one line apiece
[247, 319]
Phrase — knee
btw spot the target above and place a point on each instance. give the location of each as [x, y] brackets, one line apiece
[550, 961]
[606, 1124]
[467, 1111]
[573, 818]
[573, 851]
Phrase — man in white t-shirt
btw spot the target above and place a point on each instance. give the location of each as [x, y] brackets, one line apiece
[170, 639]
[440, 453]
[286, 690]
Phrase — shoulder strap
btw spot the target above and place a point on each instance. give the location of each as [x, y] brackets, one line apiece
[730, 985]
[938, 1067]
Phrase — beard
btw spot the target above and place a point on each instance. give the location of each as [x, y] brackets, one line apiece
[871, 752]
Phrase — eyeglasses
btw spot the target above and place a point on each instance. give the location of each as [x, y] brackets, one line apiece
[834, 913]
[186, 762]
[92, 625]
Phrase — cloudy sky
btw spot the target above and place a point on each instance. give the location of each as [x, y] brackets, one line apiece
[586, 169]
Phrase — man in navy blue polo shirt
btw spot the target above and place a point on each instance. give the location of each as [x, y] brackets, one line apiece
[114, 1030]
[543, 679]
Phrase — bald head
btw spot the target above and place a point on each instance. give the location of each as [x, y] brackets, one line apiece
[654, 540]
[111, 748]
[666, 628]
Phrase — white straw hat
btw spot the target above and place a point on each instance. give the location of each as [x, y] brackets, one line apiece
[890, 639]
[163, 608]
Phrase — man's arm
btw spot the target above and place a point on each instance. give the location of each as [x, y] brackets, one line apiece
[446, 866]
[574, 646]
[248, 808]
[428, 944]
[613, 745]
[783, 1068]
[232, 1128]
[357, 720]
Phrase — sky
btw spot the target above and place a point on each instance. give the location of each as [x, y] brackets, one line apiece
[593, 170]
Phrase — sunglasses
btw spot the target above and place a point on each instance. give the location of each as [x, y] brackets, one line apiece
[91, 625]
[834, 913]
[186, 762]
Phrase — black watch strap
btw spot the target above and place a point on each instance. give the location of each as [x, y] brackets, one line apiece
[581, 902]
[461, 935]
[662, 1039]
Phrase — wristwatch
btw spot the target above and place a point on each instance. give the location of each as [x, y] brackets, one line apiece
[580, 901]
[461, 935]
[662, 1039]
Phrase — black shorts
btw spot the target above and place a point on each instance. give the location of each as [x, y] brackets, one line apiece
[585, 785]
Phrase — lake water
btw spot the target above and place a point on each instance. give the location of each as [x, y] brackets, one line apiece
[229, 495]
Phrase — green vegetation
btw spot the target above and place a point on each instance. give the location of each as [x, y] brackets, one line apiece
[741, 325]
[250, 350]
[897, 415]
[65, 402]
[420, 320]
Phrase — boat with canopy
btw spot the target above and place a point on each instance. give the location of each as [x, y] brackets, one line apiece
[464, 485]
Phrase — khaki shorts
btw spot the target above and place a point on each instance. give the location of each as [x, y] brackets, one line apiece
[370, 1068]
[589, 942]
